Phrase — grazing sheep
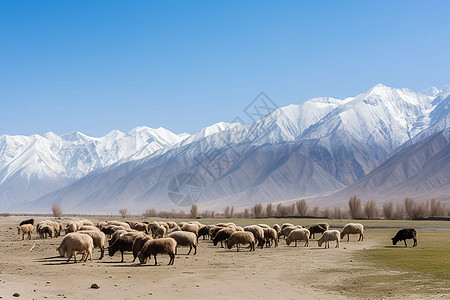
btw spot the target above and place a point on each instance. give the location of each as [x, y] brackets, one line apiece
[98, 237]
[298, 235]
[222, 235]
[241, 238]
[88, 227]
[73, 226]
[258, 233]
[123, 243]
[353, 228]
[118, 223]
[318, 228]
[159, 246]
[327, 236]
[403, 235]
[204, 231]
[270, 235]
[171, 224]
[286, 231]
[264, 226]
[25, 229]
[138, 244]
[213, 231]
[159, 232]
[28, 221]
[45, 230]
[131, 223]
[277, 228]
[86, 222]
[74, 243]
[140, 227]
[287, 225]
[185, 239]
[194, 228]
[238, 228]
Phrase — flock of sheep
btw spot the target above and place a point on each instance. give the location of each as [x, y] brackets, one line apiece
[150, 238]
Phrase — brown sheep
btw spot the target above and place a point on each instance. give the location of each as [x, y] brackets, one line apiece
[241, 238]
[158, 246]
[138, 244]
[25, 229]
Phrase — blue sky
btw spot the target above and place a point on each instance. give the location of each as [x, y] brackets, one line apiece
[95, 66]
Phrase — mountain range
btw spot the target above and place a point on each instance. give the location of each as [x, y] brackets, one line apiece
[382, 144]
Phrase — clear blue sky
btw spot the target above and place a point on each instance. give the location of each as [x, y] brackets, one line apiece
[95, 66]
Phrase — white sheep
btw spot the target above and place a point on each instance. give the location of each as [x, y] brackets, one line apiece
[329, 235]
[353, 228]
[194, 228]
[159, 232]
[298, 235]
[158, 246]
[74, 243]
[241, 238]
[258, 233]
[98, 237]
[185, 239]
[86, 222]
[25, 229]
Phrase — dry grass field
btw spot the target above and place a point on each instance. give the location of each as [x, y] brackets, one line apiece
[372, 269]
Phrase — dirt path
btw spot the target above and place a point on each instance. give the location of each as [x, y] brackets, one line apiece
[270, 273]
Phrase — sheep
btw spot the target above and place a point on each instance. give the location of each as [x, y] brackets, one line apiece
[159, 246]
[171, 224]
[298, 235]
[264, 226]
[239, 228]
[131, 223]
[118, 223]
[86, 222]
[25, 229]
[204, 231]
[28, 221]
[241, 238]
[138, 244]
[327, 236]
[222, 235]
[403, 235]
[286, 231]
[257, 232]
[185, 239]
[111, 229]
[73, 226]
[277, 228]
[213, 231]
[140, 227]
[317, 228]
[98, 237]
[287, 225]
[88, 227]
[123, 243]
[159, 232]
[270, 235]
[45, 230]
[353, 228]
[74, 243]
[194, 228]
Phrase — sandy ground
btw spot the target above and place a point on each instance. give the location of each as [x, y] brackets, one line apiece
[214, 273]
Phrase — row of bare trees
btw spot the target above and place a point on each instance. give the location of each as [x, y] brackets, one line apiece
[408, 209]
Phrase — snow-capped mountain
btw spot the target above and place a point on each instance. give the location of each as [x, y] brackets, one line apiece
[319, 146]
[31, 166]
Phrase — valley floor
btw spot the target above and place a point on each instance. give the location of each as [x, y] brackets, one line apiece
[33, 269]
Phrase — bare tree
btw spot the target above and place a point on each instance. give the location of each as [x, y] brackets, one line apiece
[370, 209]
[409, 207]
[269, 210]
[284, 211]
[226, 212]
[57, 210]
[355, 207]
[436, 208]
[388, 210]
[302, 207]
[232, 212]
[338, 213]
[399, 211]
[150, 213]
[246, 213]
[315, 211]
[326, 212]
[123, 212]
[257, 210]
[194, 211]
